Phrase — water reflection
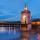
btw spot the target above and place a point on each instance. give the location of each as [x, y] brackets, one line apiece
[2, 29]
[33, 37]
[10, 33]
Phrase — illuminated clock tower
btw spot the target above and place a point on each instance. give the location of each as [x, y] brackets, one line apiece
[25, 16]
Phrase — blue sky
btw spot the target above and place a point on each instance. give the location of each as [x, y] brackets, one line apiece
[10, 10]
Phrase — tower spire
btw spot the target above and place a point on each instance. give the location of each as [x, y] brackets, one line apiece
[25, 5]
[25, 8]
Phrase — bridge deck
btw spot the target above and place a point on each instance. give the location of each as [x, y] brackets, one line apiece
[11, 24]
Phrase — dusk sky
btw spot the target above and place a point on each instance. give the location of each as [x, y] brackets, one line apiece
[10, 10]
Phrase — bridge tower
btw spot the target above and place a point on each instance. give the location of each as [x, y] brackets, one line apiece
[25, 17]
[25, 23]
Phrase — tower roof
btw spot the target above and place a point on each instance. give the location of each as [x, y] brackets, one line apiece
[25, 8]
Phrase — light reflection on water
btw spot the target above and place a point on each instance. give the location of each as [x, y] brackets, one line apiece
[13, 34]
[8, 34]
[33, 36]
[17, 35]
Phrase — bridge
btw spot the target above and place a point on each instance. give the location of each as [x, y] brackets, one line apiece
[21, 26]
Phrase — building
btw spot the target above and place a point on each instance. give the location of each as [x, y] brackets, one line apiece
[25, 15]
[36, 24]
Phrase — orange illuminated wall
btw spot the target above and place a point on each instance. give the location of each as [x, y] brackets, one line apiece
[35, 23]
